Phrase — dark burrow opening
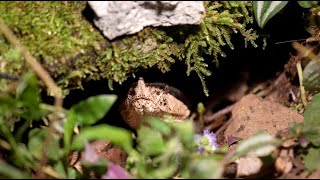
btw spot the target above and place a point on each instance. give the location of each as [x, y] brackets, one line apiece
[251, 64]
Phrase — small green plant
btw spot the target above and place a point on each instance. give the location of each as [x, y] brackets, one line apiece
[309, 132]
[265, 10]
[311, 127]
[41, 150]
[311, 76]
[165, 148]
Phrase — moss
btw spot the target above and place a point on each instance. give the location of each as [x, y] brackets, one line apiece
[161, 47]
[54, 33]
[222, 19]
[147, 49]
[59, 36]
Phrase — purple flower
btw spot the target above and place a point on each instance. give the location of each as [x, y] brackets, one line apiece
[89, 154]
[207, 142]
[116, 172]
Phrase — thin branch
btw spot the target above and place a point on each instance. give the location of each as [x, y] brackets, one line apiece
[224, 127]
[302, 90]
[9, 76]
[216, 115]
[305, 52]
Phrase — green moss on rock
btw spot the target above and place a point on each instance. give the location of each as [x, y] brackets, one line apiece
[161, 47]
[72, 50]
[54, 32]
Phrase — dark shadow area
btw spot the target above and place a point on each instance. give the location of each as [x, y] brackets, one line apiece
[88, 13]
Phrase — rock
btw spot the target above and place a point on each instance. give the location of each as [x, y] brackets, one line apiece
[248, 165]
[283, 165]
[252, 113]
[116, 18]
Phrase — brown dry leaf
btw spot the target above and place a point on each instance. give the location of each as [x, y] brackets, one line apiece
[107, 151]
[103, 150]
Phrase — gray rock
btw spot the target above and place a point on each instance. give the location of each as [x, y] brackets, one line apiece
[117, 18]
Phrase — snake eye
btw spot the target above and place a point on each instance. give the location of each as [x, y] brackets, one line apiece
[163, 103]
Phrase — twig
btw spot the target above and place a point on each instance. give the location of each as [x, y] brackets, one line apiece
[35, 65]
[5, 132]
[224, 127]
[289, 41]
[303, 91]
[304, 52]
[8, 76]
[45, 77]
[219, 113]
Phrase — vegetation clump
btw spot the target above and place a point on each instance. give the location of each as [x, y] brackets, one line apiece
[72, 50]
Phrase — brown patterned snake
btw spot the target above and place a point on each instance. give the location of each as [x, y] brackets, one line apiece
[154, 99]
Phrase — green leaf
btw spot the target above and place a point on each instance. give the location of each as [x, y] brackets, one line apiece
[28, 93]
[28, 160]
[265, 10]
[8, 171]
[203, 167]
[59, 169]
[186, 132]
[28, 90]
[99, 167]
[158, 125]
[311, 76]
[117, 136]
[307, 4]
[311, 123]
[162, 171]
[68, 130]
[42, 140]
[91, 110]
[150, 141]
[8, 104]
[13, 55]
[72, 173]
[260, 144]
[312, 159]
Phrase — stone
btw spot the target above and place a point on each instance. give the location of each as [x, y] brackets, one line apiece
[248, 165]
[117, 18]
[252, 113]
